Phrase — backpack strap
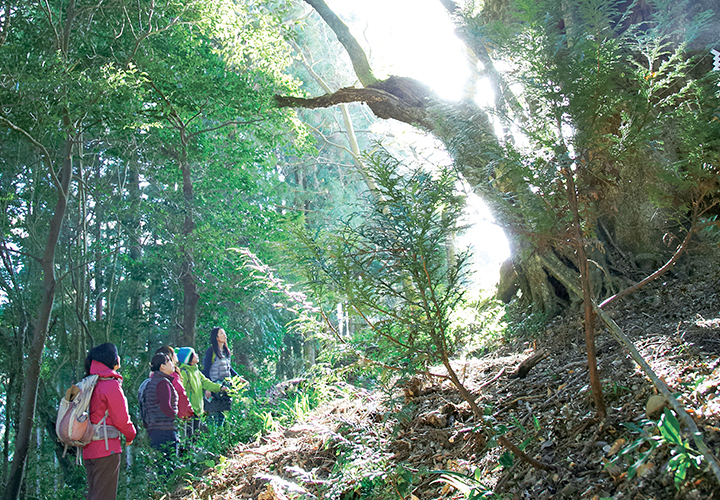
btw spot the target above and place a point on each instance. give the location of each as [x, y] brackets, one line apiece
[103, 421]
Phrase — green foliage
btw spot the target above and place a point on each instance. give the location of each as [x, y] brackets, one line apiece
[520, 324]
[654, 437]
[614, 391]
[391, 262]
[120, 94]
[616, 102]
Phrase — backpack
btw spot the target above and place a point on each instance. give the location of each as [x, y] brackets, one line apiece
[73, 426]
[141, 401]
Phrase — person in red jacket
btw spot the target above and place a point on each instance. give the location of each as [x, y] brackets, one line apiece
[101, 457]
[185, 410]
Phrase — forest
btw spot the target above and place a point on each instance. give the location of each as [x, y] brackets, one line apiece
[172, 166]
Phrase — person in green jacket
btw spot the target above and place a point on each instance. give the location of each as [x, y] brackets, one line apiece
[196, 384]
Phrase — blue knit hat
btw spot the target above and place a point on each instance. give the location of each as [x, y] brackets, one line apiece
[185, 354]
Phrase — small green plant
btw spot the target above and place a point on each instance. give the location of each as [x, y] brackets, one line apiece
[523, 325]
[615, 391]
[268, 421]
[298, 407]
[506, 459]
[392, 261]
[652, 437]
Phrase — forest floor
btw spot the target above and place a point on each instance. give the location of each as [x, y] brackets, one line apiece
[674, 323]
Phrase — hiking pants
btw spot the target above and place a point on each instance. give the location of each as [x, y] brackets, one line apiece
[102, 477]
[165, 441]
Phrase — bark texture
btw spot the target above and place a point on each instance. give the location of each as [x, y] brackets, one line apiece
[31, 378]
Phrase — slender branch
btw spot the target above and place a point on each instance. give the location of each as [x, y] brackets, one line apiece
[438, 308]
[87, 262]
[19, 252]
[43, 151]
[200, 110]
[694, 227]
[354, 150]
[488, 382]
[579, 243]
[329, 142]
[48, 13]
[522, 455]
[149, 31]
[356, 53]
[670, 263]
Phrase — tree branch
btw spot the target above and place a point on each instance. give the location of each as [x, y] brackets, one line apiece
[43, 151]
[356, 53]
[656, 274]
[354, 150]
[664, 389]
[408, 108]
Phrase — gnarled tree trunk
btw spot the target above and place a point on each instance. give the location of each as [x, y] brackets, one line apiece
[469, 136]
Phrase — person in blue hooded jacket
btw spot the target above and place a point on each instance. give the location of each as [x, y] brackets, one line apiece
[197, 385]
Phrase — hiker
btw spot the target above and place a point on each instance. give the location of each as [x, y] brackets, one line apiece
[161, 405]
[184, 408]
[102, 457]
[196, 384]
[217, 367]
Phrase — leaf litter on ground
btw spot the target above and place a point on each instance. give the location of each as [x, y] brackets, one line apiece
[361, 435]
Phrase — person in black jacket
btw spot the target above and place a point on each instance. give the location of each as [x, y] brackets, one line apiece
[161, 403]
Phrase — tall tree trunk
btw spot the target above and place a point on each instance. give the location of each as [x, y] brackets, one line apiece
[9, 407]
[17, 301]
[135, 247]
[187, 275]
[98, 267]
[32, 368]
[82, 289]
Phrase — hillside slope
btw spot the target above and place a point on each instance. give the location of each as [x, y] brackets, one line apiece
[365, 445]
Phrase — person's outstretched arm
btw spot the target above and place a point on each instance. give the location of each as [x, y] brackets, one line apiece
[209, 385]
